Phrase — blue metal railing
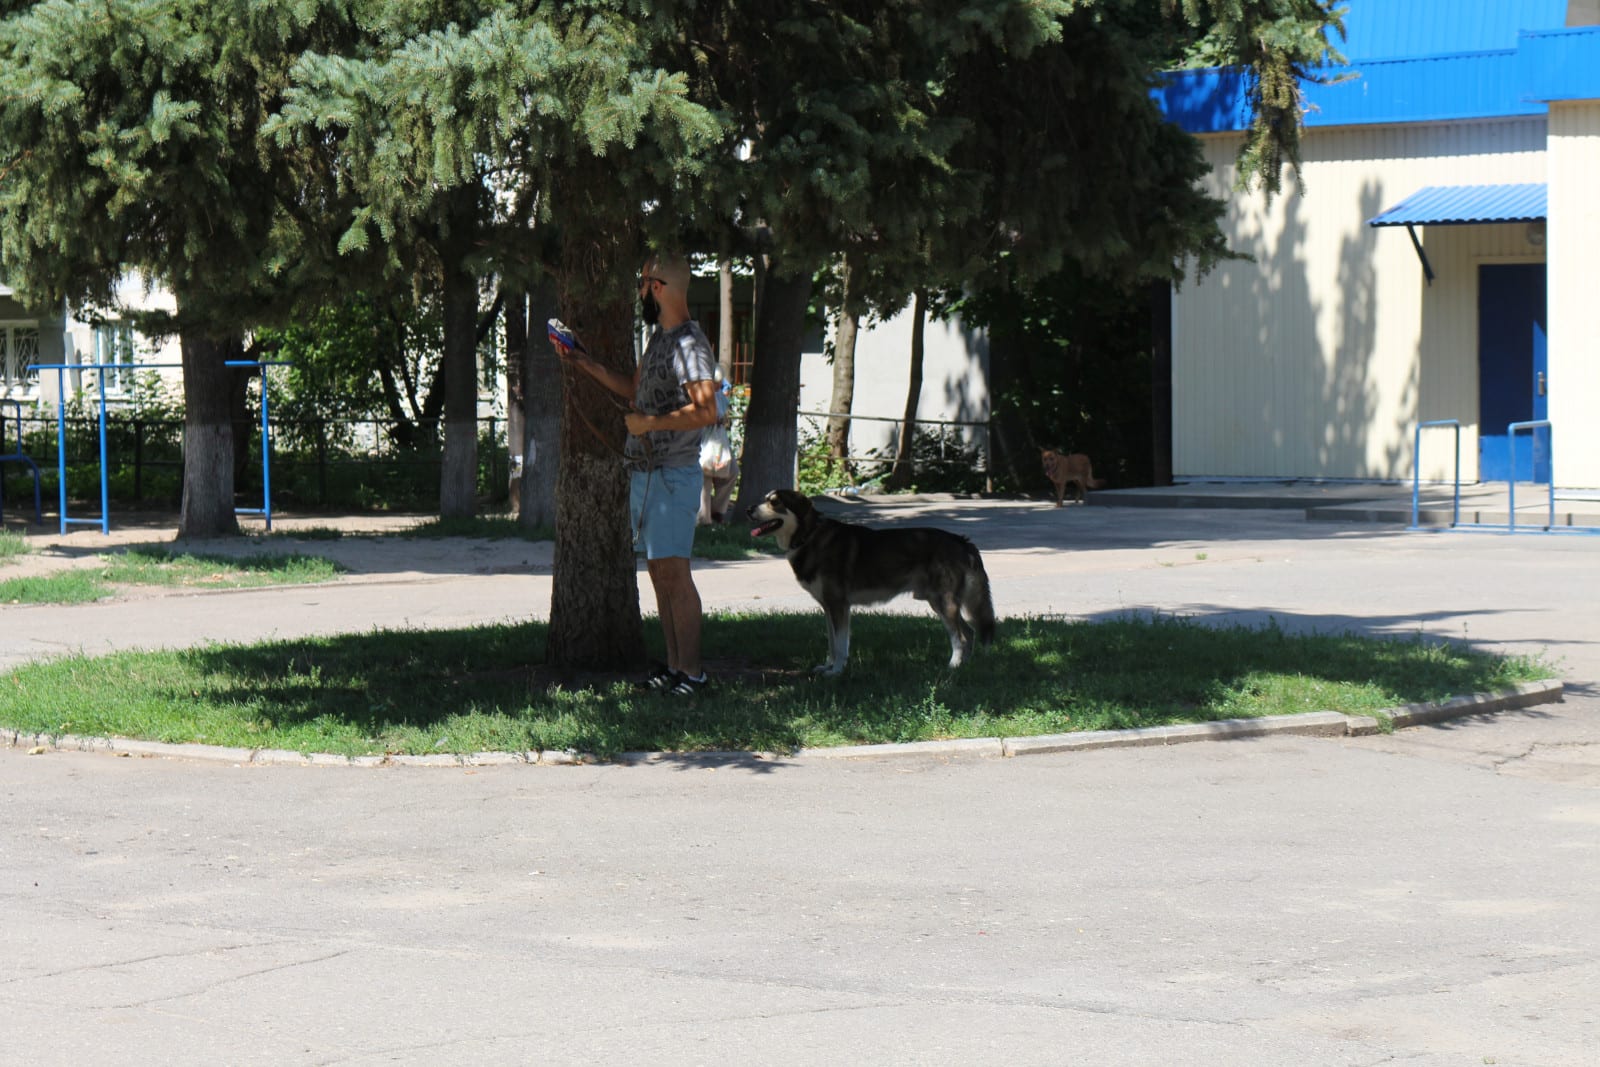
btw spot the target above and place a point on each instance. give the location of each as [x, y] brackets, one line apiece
[104, 521]
[1511, 445]
[1416, 469]
[1510, 525]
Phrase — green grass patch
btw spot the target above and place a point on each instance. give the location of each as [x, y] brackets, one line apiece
[478, 689]
[732, 542]
[150, 565]
[63, 587]
[710, 542]
[488, 527]
[304, 533]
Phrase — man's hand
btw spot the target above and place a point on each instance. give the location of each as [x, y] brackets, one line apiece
[637, 422]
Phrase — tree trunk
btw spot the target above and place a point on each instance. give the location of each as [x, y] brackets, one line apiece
[1161, 382]
[903, 471]
[542, 400]
[458, 475]
[207, 509]
[516, 311]
[844, 371]
[770, 436]
[594, 597]
[725, 335]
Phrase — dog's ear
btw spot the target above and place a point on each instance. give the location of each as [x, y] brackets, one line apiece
[793, 502]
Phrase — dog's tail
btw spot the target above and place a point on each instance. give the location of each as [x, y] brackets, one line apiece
[975, 599]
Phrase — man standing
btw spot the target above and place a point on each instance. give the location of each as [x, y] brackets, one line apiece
[674, 396]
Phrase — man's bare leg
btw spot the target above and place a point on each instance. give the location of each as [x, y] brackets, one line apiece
[678, 604]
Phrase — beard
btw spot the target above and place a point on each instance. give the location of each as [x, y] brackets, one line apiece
[649, 309]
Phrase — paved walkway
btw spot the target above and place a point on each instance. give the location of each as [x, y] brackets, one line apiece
[1426, 896]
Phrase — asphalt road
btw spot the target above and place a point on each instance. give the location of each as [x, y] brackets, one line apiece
[1428, 897]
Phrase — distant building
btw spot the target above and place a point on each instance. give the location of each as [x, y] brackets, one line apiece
[955, 375]
[1442, 263]
[29, 338]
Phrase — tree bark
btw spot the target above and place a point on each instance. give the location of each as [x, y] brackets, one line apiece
[207, 508]
[1161, 382]
[725, 335]
[542, 399]
[458, 474]
[770, 436]
[903, 471]
[844, 371]
[594, 598]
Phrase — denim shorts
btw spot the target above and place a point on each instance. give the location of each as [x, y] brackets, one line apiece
[668, 500]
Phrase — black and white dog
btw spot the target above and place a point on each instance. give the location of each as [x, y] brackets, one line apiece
[841, 564]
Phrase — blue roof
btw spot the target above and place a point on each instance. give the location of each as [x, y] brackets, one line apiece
[1456, 205]
[1407, 29]
[1420, 61]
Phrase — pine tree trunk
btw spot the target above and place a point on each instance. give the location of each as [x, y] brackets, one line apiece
[207, 509]
[770, 437]
[844, 371]
[458, 475]
[903, 471]
[594, 599]
[542, 393]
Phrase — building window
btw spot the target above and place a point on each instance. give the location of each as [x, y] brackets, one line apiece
[113, 347]
[19, 352]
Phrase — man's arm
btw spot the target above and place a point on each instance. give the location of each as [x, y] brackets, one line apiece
[624, 385]
[700, 411]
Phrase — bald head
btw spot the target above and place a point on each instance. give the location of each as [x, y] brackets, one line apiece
[665, 279]
[670, 268]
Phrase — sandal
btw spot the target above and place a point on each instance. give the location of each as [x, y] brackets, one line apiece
[688, 687]
[661, 678]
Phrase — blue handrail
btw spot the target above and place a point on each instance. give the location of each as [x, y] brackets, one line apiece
[1511, 446]
[1510, 526]
[1416, 470]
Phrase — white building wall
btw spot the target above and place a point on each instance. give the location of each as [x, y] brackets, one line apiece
[1309, 361]
[955, 376]
[1574, 308]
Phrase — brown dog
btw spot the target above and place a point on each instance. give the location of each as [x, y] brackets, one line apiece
[1071, 470]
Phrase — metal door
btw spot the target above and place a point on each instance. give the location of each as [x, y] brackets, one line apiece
[1513, 371]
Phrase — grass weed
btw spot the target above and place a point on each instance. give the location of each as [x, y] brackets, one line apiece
[13, 546]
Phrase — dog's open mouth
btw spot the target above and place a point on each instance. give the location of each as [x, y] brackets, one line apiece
[764, 528]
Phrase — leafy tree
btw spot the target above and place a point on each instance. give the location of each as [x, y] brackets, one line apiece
[130, 142]
[940, 139]
[518, 140]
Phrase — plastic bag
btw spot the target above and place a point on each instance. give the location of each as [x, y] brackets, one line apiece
[716, 451]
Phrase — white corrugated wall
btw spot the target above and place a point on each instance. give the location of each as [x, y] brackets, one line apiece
[1310, 362]
[1574, 240]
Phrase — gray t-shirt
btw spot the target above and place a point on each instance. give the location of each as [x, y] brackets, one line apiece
[673, 357]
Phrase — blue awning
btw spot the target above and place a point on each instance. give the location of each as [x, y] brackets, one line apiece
[1462, 205]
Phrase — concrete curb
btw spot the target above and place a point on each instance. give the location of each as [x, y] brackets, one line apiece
[1310, 724]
